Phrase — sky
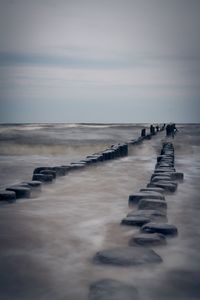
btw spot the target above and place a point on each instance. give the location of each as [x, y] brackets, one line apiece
[124, 61]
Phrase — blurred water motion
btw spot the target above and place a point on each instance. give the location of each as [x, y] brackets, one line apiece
[47, 243]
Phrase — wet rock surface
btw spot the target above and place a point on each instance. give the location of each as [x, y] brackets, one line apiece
[166, 185]
[161, 177]
[42, 177]
[109, 289]
[33, 183]
[7, 196]
[148, 239]
[163, 228]
[153, 215]
[135, 198]
[127, 256]
[20, 191]
[135, 220]
[153, 189]
[152, 204]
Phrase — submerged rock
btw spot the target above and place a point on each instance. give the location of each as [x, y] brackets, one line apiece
[109, 289]
[163, 228]
[127, 256]
[146, 239]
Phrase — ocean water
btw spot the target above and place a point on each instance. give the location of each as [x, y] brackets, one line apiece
[47, 243]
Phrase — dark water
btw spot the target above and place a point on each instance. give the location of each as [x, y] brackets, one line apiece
[47, 243]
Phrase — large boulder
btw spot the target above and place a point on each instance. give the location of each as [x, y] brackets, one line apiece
[127, 256]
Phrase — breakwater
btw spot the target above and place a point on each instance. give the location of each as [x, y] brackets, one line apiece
[154, 229]
[47, 174]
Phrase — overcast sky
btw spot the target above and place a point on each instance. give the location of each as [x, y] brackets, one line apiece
[99, 60]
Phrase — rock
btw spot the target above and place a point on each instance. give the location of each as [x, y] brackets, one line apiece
[7, 196]
[135, 198]
[33, 184]
[108, 154]
[177, 176]
[161, 177]
[35, 187]
[76, 166]
[167, 162]
[152, 204]
[162, 174]
[153, 215]
[153, 189]
[135, 220]
[61, 170]
[164, 170]
[168, 186]
[94, 158]
[109, 289]
[163, 228]
[165, 157]
[39, 169]
[42, 178]
[127, 256]
[148, 239]
[87, 161]
[20, 191]
[49, 172]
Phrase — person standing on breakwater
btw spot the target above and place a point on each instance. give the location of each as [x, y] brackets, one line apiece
[174, 129]
[171, 130]
[152, 129]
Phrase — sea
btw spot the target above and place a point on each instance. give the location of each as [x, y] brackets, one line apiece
[47, 243]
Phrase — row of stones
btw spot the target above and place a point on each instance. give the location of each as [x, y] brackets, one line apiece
[151, 217]
[45, 175]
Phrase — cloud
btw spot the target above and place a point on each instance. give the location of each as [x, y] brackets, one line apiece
[133, 51]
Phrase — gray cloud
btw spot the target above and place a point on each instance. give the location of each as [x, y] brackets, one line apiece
[133, 50]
